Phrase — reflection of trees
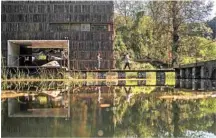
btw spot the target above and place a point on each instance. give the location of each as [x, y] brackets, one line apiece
[122, 105]
[88, 117]
[137, 120]
[149, 116]
[200, 115]
[176, 118]
[121, 102]
[145, 116]
[79, 116]
[130, 115]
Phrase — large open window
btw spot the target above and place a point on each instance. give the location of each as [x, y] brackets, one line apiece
[33, 53]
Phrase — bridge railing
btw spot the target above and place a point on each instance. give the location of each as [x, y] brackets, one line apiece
[91, 64]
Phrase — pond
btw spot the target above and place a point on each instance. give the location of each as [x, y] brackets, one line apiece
[185, 109]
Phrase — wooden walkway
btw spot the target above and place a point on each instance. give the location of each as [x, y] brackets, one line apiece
[199, 70]
[197, 64]
[115, 70]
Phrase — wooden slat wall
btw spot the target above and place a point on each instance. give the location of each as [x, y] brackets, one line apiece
[51, 20]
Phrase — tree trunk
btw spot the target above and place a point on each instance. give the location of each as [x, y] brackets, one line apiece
[175, 35]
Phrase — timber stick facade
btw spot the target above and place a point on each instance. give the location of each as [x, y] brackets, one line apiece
[88, 25]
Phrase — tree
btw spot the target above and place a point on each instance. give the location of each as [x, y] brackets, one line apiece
[212, 25]
[195, 49]
[128, 8]
[119, 48]
[161, 28]
[171, 15]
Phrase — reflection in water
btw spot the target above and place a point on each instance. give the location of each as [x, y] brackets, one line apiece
[129, 94]
[108, 111]
[50, 104]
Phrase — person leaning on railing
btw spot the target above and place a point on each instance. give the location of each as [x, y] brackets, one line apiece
[65, 57]
[98, 61]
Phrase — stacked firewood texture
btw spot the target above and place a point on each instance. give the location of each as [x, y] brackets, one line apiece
[88, 25]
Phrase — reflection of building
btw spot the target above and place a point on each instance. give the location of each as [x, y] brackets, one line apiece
[39, 106]
[88, 25]
[97, 105]
[146, 111]
[88, 118]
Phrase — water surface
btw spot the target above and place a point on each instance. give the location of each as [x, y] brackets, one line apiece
[186, 109]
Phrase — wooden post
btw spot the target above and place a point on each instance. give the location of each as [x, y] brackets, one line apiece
[202, 73]
[181, 83]
[187, 73]
[202, 84]
[181, 73]
[194, 84]
[194, 73]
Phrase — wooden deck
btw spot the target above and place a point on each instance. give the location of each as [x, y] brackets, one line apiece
[34, 67]
[198, 70]
[197, 64]
[96, 70]
[115, 70]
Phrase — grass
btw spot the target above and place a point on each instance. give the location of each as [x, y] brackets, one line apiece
[131, 82]
[144, 89]
[17, 74]
[151, 78]
[170, 75]
[46, 79]
[170, 78]
[131, 75]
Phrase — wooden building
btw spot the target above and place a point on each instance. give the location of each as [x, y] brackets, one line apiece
[87, 25]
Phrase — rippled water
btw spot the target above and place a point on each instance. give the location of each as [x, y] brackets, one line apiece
[186, 109]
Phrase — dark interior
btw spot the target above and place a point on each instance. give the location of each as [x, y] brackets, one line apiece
[31, 56]
[25, 56]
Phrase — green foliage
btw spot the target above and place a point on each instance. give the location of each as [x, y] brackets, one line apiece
[147, 117]
[138, 40]
[212, 25]
[41, 57]
[208, 105]
[201, 49]
[136, 65]
[148, 32]
[170, 78]
[128, 8]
